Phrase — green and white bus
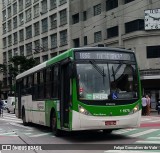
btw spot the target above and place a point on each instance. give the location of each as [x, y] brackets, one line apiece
[90, 88]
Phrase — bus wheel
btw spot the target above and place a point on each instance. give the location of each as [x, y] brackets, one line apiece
[53, 124]
[24, 117]
[108, 131]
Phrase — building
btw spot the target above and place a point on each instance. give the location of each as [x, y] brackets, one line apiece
[44, 28]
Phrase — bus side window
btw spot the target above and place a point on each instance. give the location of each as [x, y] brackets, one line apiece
[48, 83]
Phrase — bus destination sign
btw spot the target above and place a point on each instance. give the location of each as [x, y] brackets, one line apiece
[104, 55]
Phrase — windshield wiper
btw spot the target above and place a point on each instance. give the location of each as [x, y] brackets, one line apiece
[98, 68]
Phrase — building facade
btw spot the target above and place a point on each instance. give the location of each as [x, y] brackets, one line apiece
[44, 28]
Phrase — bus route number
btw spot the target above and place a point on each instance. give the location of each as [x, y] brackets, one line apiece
[84, 55]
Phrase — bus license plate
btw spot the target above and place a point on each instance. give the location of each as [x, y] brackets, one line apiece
[110, 122]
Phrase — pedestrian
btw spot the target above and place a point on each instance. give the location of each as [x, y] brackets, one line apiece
[148, 104]
[144, 105]
[1, 108]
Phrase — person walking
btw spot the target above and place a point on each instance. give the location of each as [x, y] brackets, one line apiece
[148, 104]
[144, 105]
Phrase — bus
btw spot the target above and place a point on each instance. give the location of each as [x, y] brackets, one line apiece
[90, 88]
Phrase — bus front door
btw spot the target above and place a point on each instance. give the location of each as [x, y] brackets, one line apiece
[65, 95]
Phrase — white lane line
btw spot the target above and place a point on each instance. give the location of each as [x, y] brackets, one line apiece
[27, 133]
[156, 138]
[124, 131]
[148, 142]
[29, 128]
[10, 120]
[39, 135]
[6, 117]
[143, 132]
[7, 133]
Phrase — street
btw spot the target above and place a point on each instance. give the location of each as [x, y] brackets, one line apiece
[12, 131]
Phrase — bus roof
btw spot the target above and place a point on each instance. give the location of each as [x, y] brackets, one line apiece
[68, 53]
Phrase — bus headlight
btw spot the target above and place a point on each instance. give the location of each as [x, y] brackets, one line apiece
[83, 111]
[134, 110]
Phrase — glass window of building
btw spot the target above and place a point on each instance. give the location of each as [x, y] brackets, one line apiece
[127, 1]
[4, 28]
[53, 4]
[9, 54]
[63, 38]
[15, 51]
[28, 3]
[29, 32]
[4, 3]
[44, 6]
[111, 4]
[76, 42]
[21, 19]
[9, 25]
[75, 18]
[20, 5]
[84, 15]
[153, 51]
[53, 21]
[54, 40]
[85, 40]
[4, 57]
[4, 42]
[45, 58]
[45, 25]
[97, 9]
[37, 45]
[15, 8]
[112, 32]
[21, 50]
[63, 17]
[15, 22]
[97, 36]
[36, 10]
[29, 49]
[36, 28]
[4, 15]
[45, 43]
[21, 35]
[61, 2]
[9, 40]
[15, 39]
[9, 12]
[28, 15]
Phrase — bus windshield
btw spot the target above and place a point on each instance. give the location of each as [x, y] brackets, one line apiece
[108, 81]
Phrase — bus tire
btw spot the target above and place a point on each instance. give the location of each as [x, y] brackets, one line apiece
[53, 125]
[24, 117]
[107, 131]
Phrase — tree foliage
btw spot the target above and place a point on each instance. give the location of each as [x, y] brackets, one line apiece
[19, 64]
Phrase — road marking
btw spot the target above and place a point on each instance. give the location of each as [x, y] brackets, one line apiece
[10, 120]
[124, 131]
[39, 135]
[143, 132]
[7, 133]
[148, 142]
[15, 124]
[156, 138]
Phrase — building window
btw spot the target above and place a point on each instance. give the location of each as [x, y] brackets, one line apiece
[20, 5]
[4, 42]
[134, 25]
[45, 25]
[28, 3]
[29, 32]
[21, 35]
[15, 38]
[9, 25]
[53, 4]
[111, 4]
[15, 51]
[37, 45]
[112, 32]
[29, 49]
[97, 36]
[36, 10]
[53, 21]
[9, 40]
[15, 22]
[85, 40]
[153, 51]
[61, 2]
[21, 19]
[63, 17]
[75, 18]
[76, 42]
[21, 50]
[9, 12]
[45, 43]
[4, 3]
[63, 38]
[4, 15]
[54, 41]
[9, 54]
[28, 15]
[14, 8]
[127, 1]
[4, 57]
[4, 28]
[36, 29]
[84, 15]
[44, 6]
[97, 9]
[45, 58]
